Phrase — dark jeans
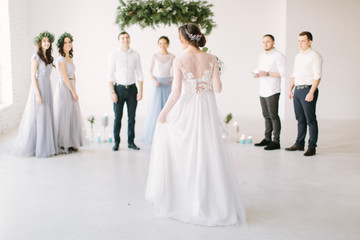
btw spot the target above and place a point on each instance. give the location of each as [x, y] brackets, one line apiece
[305, 113]
[128, 96]
[270, 107]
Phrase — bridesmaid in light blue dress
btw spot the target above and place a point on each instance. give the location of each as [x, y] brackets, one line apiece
[161, 74]
[69, 125]
[36, 135]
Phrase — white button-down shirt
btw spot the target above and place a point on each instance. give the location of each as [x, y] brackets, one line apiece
[124, 67]
[272, 61]
[307, 67]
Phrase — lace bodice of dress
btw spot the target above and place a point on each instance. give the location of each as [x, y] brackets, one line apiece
[195, 73]
[197, 85]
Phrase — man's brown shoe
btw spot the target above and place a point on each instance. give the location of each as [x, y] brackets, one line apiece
[310, 152]
[295, 148]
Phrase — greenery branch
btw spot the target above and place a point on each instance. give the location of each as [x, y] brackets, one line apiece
[228, 118]
[152, 13]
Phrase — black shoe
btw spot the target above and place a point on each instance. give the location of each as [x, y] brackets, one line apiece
[72, 149]
[310, 152]
[264, 142]
[295, 148]
[272, 146]
[115, 147]
[133, 146]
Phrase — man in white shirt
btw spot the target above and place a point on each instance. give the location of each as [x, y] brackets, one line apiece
[305, 80]
[124, 70]
[270, 70]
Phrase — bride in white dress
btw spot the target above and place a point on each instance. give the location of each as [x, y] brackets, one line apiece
[190, 175]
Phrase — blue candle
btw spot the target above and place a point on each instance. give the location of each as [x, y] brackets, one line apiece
[242, 139]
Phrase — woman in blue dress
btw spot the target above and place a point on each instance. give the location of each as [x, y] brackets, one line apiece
[36, 135]
[161, 74]
[69, 125]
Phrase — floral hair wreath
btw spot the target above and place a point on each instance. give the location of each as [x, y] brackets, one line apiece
[62, 37]
[38, 38]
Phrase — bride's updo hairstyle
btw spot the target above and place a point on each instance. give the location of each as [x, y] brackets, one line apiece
[192, 34]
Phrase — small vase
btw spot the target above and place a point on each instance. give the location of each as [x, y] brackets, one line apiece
[91, 137]
[225, 133]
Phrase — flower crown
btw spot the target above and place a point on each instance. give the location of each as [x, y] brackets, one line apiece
[193, 37]
[62, 37]
[38, 38]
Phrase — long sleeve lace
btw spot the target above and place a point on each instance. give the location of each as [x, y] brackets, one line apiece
[215, 81]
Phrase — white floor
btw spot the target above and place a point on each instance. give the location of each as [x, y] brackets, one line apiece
[99, 194]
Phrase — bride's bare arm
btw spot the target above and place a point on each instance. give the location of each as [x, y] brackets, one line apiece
[175, 92]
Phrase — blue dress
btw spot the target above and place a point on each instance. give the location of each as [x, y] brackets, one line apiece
[160, 68]
[36, 135]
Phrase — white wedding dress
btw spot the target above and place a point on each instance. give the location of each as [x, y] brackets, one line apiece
[190, 175]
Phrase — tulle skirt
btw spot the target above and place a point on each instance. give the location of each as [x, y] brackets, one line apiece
[36, 135]
[190, 176]
[157, 102]
[69, 126]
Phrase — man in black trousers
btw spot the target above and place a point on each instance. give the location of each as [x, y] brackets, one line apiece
[305, 80]
[124, 71]
[271, 69]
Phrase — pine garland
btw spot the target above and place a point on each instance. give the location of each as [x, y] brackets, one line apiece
[152, 13]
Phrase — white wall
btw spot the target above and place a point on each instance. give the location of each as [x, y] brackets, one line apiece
[11, 115]
[236, 40]
[5, 56]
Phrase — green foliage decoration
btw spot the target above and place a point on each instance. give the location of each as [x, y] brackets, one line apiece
[91, 119]
[228, 118]
[152, 13]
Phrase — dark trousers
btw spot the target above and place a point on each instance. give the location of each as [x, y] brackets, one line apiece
[305, 113]
[125, 95]
[270, 108]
